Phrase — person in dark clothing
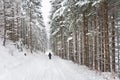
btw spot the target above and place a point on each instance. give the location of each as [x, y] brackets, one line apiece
[25, 54]
[49, 55]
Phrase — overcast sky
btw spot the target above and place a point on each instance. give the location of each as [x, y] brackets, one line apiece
[45, 11]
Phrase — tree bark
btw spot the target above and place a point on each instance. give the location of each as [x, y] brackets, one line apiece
[4, 41]
[85, 39]
[84, 30]
[13, 23]
[95, 46]
[113, 42]
[107, 53]
[31, 44]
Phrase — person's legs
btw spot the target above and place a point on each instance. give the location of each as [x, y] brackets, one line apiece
[49, 57]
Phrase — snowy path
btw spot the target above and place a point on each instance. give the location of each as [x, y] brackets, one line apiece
[41, 68]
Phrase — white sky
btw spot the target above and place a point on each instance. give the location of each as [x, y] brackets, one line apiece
[46, 12]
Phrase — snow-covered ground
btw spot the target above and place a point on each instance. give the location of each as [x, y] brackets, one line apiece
[14, 65]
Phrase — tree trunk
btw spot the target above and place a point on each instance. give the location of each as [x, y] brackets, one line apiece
[31, 44]
[13, 23]
[17, 36]
[102, 42]
[85, 40]
[76, 46]
[99, 42]
[107, 53]
[113, 42]
[4, 41]
[61, 50]
[65, 47]
[95, 46]
[81, 53]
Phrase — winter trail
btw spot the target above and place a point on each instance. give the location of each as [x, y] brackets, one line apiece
[41, 68]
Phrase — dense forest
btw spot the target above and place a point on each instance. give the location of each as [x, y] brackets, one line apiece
[87, 32]
[21, 22]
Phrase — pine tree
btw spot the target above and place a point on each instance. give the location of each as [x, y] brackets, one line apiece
[4, 23]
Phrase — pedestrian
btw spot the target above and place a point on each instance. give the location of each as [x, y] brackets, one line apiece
[25, 54]
[49, 55]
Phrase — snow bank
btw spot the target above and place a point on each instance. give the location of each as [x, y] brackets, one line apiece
[38, 67]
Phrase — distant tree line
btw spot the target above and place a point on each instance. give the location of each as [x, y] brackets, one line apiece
[21, 21]
[87, 32]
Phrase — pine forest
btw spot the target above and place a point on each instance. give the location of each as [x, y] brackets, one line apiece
[78, 40]
[87, 32]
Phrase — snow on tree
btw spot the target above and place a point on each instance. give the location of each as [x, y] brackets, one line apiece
[23, 21]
